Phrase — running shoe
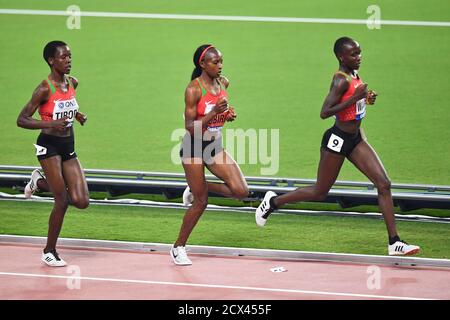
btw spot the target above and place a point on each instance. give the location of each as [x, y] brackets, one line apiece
[32, 186]
[401, 248]
[264, 209]
[52, 259]
[188, 197]
[179, 256]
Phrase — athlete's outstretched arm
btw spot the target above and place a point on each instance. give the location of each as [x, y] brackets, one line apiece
[339, 85]
[39, 97]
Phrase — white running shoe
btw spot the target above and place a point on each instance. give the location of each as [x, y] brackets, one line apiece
[188, 197]
[401, 248]
[52, 259]
[179, 256]
[264, 210]
[31, 186]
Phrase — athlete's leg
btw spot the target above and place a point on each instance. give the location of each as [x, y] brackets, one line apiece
[227, 170]
[53, 171]
[76, 183]
[329, 166]
[195, 176]
[367, 161]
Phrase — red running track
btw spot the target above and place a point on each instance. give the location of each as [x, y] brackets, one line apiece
[118, 274]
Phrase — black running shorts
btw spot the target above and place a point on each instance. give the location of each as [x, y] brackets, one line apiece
[198, 148]
[340, 142]
[48, 146]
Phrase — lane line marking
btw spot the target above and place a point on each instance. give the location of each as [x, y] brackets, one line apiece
[223, 18]
[201, 285]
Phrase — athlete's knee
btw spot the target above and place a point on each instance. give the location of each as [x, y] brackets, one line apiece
[80, 202]
[383, 185]
[319, 194]
[240, 192]
[200, 202]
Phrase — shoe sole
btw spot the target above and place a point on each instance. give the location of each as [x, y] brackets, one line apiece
[54, 266]
[183, 264]
[409, 253]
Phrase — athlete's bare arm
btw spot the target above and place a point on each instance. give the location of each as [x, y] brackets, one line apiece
[192, 96]
[39, 97]
[339, 85]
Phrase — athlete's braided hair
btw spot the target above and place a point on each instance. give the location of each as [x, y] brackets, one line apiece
[198, 70]
[50, 49]
[339, 44]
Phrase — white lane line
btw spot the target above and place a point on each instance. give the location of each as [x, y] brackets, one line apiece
[210, 286]
[222, 18]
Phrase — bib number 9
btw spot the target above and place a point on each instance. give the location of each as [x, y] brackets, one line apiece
[335, 143]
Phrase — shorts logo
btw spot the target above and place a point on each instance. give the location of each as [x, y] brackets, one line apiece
[40, 150]
[335, 143]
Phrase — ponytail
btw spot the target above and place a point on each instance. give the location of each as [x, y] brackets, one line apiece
[196, 73]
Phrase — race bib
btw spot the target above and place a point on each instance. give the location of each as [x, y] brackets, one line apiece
[335, 143]
[217, 122]
[65, 108]
[360, 108]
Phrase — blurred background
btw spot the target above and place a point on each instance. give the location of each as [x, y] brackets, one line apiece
[133, 71]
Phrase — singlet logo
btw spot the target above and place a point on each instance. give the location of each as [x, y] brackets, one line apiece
[66, 104]
[208, 106]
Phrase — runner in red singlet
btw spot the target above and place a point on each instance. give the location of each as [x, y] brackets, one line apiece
[347, 102]
[206, 111]
[55, 99]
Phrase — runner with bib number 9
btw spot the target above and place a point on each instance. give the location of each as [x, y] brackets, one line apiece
[346, 101]
[55, 147]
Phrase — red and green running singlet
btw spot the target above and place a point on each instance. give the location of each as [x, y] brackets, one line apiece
[357, 110]
[60, 104]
